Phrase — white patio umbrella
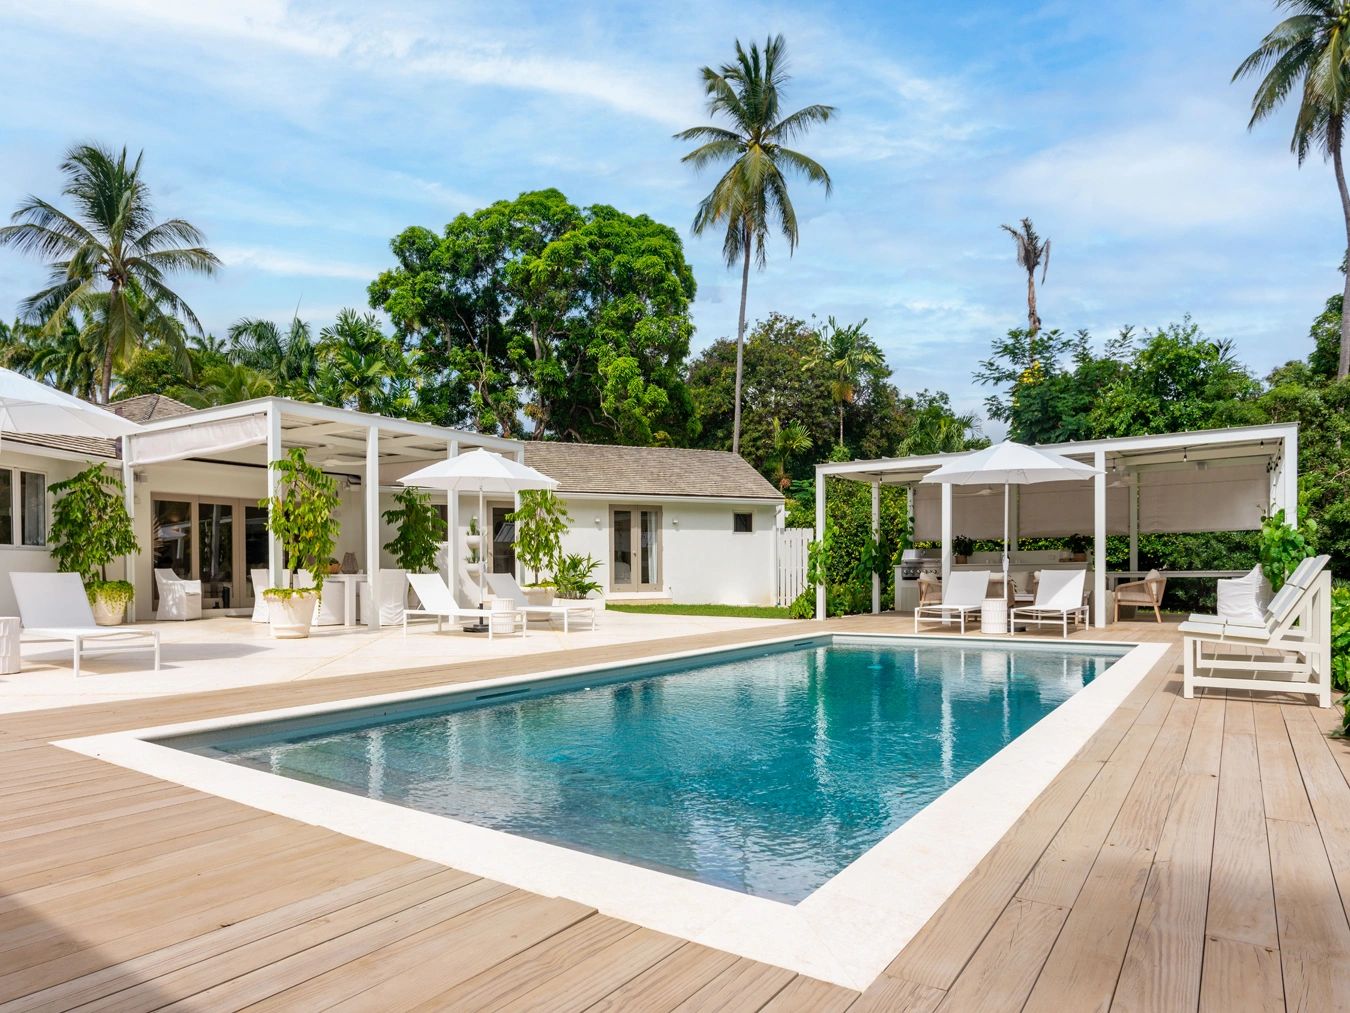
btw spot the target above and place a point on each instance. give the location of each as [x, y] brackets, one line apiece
[487, 473]
[1008, 464]
[27, 406]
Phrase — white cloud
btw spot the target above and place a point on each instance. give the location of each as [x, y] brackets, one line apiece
[298, 265]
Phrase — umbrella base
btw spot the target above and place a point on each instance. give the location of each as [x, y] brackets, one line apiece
[478, 627]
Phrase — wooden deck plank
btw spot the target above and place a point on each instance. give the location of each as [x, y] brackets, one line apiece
[1313, 932]
[590, 979]
[1241, 978]
[897, 995]
[1328, 792]
[807, 995]
[669, 981]
[744, 987]
[1086, 959]
[1281, 782]
[1004, 969]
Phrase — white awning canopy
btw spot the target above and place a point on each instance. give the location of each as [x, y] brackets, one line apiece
[205, 439]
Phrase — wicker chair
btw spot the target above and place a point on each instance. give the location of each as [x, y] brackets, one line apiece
[1146, 593]
[930, 590]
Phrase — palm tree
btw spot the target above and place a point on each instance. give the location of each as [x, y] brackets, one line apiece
[752, 194]
[67, 360]
[289, 358]
[355, 362]
[110, 258]
[1032, 252]
[849, 355]
[1310, 52]
[785, 442]
[229, 383]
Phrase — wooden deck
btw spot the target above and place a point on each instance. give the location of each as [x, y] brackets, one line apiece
[1195, 855]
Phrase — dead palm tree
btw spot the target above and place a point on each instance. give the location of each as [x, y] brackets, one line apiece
[1032, 253]
[752, 194]
[1310, 52]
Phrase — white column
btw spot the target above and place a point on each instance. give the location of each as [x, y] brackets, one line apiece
[276, 562]
[820, 534]
[1099, 539]
[372, 513]
[1132, 491]
[1015, 518]
[453, 546]
[129, 496]
[946, 531]
[1289, 472]
[876, 537]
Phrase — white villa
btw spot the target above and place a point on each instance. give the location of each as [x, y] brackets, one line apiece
[666, 525]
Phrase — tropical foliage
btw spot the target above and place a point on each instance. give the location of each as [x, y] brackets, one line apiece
[302, 516]
[91, 527]
[1032, 252]
[1308, 54]
[750, 200]
[540, 520]
[419, 531]
[109, 261]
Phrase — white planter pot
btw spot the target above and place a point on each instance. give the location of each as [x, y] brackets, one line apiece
[538, 595]
[473, 569]
[109, 614]
[290, 618]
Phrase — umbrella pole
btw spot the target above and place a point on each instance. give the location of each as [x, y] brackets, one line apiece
[483, 545]
[1005, 539]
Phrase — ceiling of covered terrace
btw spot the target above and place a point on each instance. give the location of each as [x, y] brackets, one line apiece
[1205, 487]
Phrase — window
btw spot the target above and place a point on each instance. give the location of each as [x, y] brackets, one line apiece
[23, 508]
[742, 522]
[33, 507]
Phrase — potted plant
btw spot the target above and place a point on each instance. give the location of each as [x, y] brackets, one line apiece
[1078, 547]
[91, 528]
[572, 576]
[415, 547]
[301, 517]
[540, 521]
[963, 547]
[472, 538]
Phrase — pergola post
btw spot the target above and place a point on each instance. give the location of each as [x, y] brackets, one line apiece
[129, 497]
[372, 491]
[276, 562]
[1132, 491]
[820, 536]
[946, 531]
[1014, 516]
[1099, 540]
[876, 538]
[452, 529]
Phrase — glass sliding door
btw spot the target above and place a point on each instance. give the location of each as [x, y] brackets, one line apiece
[503, 540]
[255, 551]
[635, 560]
[215, 553]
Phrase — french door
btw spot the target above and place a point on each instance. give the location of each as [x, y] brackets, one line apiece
[635, 551]
[212, 539]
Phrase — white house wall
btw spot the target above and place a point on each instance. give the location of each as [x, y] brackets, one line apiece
[32, 558]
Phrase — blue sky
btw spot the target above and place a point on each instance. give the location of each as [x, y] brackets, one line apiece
[302, 136]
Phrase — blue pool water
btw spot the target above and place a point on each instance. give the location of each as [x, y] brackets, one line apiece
[765, 773]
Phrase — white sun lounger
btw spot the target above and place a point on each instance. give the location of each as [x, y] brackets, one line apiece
[438, 603]
[963, 594]
[1059, 596]
[54, 606]
[1288, 652]
[505, 586]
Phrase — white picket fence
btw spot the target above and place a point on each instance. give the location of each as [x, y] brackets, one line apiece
[792, 543]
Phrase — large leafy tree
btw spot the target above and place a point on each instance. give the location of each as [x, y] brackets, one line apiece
[1308, 54]
[751, 197]
[574, 319]
[1032, 252]
[109, 259]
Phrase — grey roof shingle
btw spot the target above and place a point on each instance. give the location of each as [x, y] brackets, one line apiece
[648, 471]
[142, 408]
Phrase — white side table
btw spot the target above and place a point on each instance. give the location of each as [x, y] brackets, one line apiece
[994, 616]
[10, 662]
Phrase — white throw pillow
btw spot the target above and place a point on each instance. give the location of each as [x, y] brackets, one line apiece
[1240, 599]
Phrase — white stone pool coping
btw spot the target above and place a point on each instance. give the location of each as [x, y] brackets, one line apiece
[846, 932]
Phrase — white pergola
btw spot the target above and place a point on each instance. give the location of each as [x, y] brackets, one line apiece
[1208, 481]
[255, 433]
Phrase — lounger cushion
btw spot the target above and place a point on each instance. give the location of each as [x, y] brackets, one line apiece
[1240, 599]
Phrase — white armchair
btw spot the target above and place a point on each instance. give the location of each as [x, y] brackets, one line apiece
[179, 599]
[262, 580]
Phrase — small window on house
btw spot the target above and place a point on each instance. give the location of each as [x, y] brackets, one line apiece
[742, 522]
[33, 507]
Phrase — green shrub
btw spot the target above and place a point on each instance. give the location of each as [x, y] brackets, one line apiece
[540, 521]
[117, 593]
[1283, 546]
[804, 605]
[301, 517]
[420, 531]
[1340, 638]
[90, 524]
[572, 576]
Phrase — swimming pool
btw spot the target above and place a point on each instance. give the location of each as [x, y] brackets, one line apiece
[764, 771]
[726, 797]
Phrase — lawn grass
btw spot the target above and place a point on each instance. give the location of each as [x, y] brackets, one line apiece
[735, 611]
